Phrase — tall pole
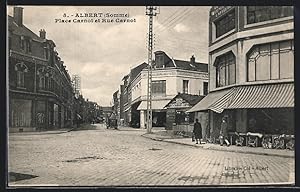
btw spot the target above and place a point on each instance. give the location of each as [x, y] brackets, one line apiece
[150, 11]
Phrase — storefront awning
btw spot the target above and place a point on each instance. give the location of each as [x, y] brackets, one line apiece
[215, 101]
[156, 104]
[263, 96]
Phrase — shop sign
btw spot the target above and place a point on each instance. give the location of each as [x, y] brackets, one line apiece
[218, 11]
[179, 102]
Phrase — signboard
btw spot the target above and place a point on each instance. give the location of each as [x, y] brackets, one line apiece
[179, 103]
[218, 11]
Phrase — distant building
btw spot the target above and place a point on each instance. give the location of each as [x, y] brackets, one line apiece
[251, 69]
[169, 77]
[106, 111]
[76, 82]
[40, 89]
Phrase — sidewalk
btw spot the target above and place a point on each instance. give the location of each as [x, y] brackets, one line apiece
[56, 131]
[162, 135]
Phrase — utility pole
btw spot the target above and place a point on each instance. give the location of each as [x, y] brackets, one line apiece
[150, 11]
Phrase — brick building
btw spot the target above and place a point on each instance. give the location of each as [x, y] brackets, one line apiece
[40, 89]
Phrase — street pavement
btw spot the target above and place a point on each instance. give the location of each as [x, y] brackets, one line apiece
[108, 157]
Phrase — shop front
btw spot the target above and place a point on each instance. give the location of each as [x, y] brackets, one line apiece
[257, 115]
[178, 119]
[159, 113]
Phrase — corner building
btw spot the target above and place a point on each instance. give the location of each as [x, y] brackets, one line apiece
[40, 89]
[251, 70]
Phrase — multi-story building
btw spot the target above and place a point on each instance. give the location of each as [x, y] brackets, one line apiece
[251, 69]
[76, 82]
[169, 77]
[40, 89]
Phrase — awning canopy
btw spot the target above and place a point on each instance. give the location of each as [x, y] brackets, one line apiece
[248, 96]
[263, 96]
[214, 101]
[156, 104]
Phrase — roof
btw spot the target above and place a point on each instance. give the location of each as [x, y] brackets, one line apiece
[136, 71]
[189, 98]
[182, 64]
[187, 65]
[21, 30]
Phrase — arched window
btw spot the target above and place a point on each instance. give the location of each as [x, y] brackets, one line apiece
[225, 69]
[21, 69]
[271, 61]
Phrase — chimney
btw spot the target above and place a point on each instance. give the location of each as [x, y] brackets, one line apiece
[43, 34]
[193, 59]
[18, 15]
[159, 59]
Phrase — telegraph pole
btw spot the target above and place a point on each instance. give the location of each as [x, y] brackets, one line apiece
[150, 11]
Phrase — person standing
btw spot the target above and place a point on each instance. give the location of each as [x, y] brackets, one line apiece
[197, 132]
[224, 132]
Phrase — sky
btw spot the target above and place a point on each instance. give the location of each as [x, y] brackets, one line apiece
[103, 53]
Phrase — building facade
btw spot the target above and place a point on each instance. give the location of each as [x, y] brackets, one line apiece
[169, 77]
[251, 70]
[40, 88]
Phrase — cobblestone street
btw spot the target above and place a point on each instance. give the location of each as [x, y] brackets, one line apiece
[106, 157]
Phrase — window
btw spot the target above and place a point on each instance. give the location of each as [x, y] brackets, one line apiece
[225, 69]
[21, 69]
[271, 61]
[225, 24]
[159, 87]
[205, 88]
[9, 43]
[22, 43]
[41, 78]
[28, 45]
[185, 87]
[256, 14]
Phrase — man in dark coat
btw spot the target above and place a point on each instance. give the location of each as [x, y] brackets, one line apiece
[197, 131]
[224, 132]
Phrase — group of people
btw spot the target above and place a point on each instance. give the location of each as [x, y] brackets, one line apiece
[197, 132]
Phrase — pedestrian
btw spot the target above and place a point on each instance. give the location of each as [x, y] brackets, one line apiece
[224, 132]
[197, 132]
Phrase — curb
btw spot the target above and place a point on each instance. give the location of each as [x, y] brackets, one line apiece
[40, 133]
[216, 149]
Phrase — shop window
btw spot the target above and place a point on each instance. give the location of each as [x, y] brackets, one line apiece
[271, 121]
[225, 69]
[256, 14]
[21, 113]
[21, 69]
[185, 88]
[159, 87]
[271, 61]
[225, 23]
